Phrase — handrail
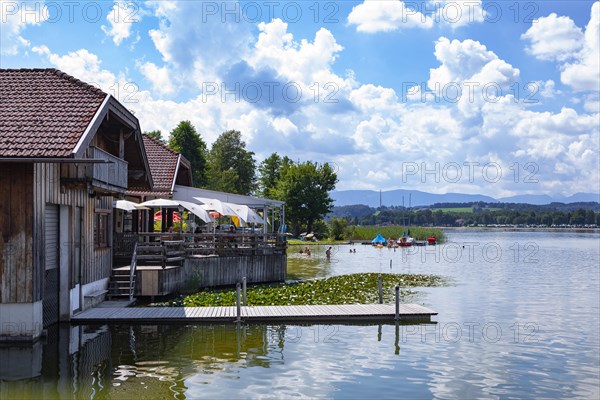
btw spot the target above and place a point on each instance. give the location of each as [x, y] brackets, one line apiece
[217, 243]
[132, 270]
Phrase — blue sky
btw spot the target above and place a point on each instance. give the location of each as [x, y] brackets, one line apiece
[492, 97]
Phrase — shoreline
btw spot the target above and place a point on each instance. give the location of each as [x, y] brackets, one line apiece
[512, 229]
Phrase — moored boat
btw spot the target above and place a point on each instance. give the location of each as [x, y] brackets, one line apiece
[405, 241]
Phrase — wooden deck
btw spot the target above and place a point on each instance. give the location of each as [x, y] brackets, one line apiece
[286, 314]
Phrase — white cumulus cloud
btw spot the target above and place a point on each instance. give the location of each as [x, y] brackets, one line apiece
[121, 18]
[553, 38]
[383, 16]
[15, 17]
[584, 73]
[557, 38]
[374, 16]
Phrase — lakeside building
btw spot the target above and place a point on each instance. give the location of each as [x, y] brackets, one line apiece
[67, 151]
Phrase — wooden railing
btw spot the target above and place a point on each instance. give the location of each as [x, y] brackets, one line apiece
[222, 244]
[112, 173]
[132, 270]
[123, 245]
[168, 249]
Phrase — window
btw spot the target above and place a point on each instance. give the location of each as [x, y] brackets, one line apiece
[101, 230]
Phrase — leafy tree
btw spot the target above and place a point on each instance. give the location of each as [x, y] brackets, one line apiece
[590, 217]
[231, 168]
[578, 217]
[337, 228]
[305, 189]
[270, 171]
[185, 140]
[157, 135]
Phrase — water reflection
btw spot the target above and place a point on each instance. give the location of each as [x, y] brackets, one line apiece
[511, 327]
[189, 361]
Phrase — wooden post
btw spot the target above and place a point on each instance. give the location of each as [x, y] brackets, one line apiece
[397, 318]
[380, 289]
[239, 307]
[390, 264]
[244, 290]
[397, 339]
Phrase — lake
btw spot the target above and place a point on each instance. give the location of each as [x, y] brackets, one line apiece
[520, 320]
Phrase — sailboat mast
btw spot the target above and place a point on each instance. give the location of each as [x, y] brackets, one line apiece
[409, 206]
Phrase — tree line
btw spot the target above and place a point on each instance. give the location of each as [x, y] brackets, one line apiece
[531, 215]
[229, 167]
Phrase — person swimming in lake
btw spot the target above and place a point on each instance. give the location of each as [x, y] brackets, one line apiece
[307, 251]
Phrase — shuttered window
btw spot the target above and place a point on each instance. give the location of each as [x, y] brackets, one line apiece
[101, 229]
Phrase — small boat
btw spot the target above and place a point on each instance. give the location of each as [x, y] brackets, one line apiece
[379, 241]
[405, 241]
[420, 243]
[431, 240]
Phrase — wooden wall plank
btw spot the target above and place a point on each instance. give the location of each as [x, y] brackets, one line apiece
[17, 184]
[5, 234]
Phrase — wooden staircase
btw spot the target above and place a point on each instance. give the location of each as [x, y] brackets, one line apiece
[119, 283]
[163, 254]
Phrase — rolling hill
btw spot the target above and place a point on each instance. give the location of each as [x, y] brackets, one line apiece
[419, 198]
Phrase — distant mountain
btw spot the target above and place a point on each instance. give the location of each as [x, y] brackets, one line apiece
[581, 198]
[542, 199]
[394, 198]
[537, 199]
[418, 198]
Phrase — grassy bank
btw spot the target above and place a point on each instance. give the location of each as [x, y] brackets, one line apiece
[418, 232]
[345, 289]
[320, 242]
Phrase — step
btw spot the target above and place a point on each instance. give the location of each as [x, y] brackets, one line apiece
[175, 253]
[149, 256]
[113, 295]
[121, 278]
[118, 287]
[120, 281]
[121, 273]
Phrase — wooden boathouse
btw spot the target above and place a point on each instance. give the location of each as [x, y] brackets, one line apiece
[66, 150]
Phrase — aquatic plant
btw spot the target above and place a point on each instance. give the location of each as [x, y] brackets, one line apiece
[346, 289]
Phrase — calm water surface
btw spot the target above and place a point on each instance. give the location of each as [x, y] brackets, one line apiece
[521, 320]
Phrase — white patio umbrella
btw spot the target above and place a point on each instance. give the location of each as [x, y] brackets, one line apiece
[197, 210]
[217, 205]
[193, 208]
[160, 203]
[164, 203]
[128, 205]
[246, 214]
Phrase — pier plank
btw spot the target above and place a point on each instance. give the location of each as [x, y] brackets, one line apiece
[288, 314]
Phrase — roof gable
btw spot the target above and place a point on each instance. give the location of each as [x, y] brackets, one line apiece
[44, 112]
[165, 164]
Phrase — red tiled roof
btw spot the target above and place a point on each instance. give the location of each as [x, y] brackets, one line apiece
[163, 164]
[44, 112]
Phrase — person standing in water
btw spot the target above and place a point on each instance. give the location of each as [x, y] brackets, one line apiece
[328, 253]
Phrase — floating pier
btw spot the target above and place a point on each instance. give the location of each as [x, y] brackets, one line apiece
[283, 314]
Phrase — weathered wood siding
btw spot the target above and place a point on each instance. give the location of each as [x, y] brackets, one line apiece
[96, 263]
[221, 271]
[211, 271]
[16, 233]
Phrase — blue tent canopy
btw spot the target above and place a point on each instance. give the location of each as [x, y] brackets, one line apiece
[379, 239]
